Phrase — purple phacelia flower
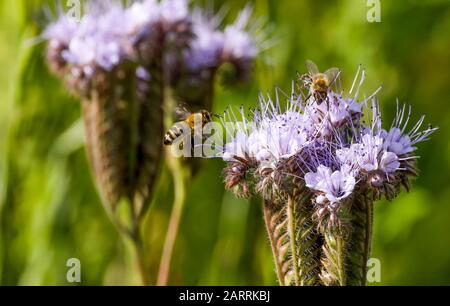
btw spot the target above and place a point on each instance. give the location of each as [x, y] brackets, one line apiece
[272, 136]
[239, 44]
[337, 148]
[389, 162]
[173, 11]
[96, 41]
[203, 46]
[191, 45]
[206, 47]
[335, 186]
[142, 13]
[61, 31]
[401, 143]
[368, 155]
[237, 148]
[397, 142]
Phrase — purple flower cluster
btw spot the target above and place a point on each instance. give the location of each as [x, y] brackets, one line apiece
[212, 46]
[336, 149]
[109, 36]
[102, 38]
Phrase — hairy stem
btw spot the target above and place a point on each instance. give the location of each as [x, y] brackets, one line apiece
[334, 271]
[106, 130]
[111, 136]
[308, 243]
[359, 252]
[292, 237]
[150, 128]
[276, 224]
[368, 240]
[347, 248]
[341, 261]
[268, 214]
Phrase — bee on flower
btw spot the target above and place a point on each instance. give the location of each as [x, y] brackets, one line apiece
[318, 167]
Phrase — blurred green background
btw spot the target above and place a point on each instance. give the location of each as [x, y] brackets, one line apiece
[50, 211]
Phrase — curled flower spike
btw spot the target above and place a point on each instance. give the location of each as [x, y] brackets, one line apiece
[326, 161]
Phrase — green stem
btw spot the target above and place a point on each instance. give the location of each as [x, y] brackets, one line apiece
[294, 239]
[268, 215]
[139, 250]
[359, 251]
[368, 228]
[130, 232]
[139, 247]
[341, 262]
[308, 242]
[180, 175]
[292, 235]
[334, 271]
[368, 240]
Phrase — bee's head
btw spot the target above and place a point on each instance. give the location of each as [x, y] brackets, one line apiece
[305, 79]
[206, 116]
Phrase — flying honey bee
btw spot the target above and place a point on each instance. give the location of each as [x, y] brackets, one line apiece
[319, 83]
[188, 118]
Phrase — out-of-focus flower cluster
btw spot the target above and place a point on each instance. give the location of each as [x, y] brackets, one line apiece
[110, 38]
[335, 149]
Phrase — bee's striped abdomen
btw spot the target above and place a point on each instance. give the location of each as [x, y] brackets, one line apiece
[192, 121]
[172, 134]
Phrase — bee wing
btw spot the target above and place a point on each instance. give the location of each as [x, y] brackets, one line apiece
[312, 67]
[332, 74]
[182, 111]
